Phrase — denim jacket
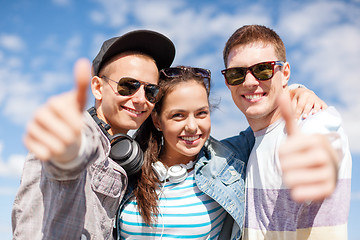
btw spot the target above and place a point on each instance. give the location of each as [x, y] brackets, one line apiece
[240, 146]
[220, 173]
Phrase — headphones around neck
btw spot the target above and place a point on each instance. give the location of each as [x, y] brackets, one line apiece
[175, 173]
[124, 150]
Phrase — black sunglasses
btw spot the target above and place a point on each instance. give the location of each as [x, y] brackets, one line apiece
[175, 72]
[178, 71]
[128, 86]
[261, 71]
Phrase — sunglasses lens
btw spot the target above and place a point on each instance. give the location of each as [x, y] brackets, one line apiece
[172, 72]
[235, 76]
[128, 86]
[151, 92]
[263, 71]
[202, 72]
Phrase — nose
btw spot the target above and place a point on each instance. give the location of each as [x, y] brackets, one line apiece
[191, 125]
[139, 96]
[250, 80]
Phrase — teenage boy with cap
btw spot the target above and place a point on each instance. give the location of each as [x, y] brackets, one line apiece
[70, 187]
[297, 182]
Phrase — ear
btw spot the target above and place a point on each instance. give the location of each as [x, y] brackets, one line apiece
[156, 120]
[286, 74]
[97, 87]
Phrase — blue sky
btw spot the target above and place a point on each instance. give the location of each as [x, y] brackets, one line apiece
[41, 40]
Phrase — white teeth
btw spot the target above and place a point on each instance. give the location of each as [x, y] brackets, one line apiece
[133, 111]
[191, 138]
[251, 97]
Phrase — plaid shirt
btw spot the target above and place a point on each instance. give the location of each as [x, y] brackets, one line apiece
[80, 202]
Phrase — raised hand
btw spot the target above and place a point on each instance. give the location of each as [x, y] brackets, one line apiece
[308, 162]
[55, 131]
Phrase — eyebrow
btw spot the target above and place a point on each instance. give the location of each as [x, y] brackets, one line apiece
[182, 110]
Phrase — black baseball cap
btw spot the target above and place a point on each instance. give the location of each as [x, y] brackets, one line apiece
[154, 44]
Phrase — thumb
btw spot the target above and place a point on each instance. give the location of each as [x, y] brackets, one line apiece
[82, 80]
[288, 115]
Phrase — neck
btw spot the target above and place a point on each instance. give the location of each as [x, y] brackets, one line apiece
[261, 123]
[171, 159]
[112, 130]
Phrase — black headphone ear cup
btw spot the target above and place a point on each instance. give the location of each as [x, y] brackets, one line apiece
[127, 153]
[124, 150]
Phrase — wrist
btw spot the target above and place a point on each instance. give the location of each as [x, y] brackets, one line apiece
[72, 157]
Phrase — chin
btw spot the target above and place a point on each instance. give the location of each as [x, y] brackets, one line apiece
[192, 152]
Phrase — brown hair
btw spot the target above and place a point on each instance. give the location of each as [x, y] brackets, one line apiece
[150, 141]
[252, 34]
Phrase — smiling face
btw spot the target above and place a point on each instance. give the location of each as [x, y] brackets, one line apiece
[257, 99]
[184, 121]
[124, 112]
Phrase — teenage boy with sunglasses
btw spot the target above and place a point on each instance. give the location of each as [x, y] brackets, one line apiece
[70, 187]
[302, 191]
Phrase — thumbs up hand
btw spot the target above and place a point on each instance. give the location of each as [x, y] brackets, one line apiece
[55, 131]
[308, 162]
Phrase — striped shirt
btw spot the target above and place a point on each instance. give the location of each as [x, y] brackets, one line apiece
[185, 213]
[270, 212]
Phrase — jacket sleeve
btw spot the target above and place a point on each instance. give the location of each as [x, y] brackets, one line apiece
[241, 144]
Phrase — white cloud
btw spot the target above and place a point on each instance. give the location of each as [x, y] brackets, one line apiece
[115, 12]
[7, 191]
[97, 17]
[38, 62]
[12, 42]
[72, 47]
[299, 21]
[20, 109]
[50, 43]
[192, 29]
[11, 168]
[332, 59]
[14, 62]
[22, 91]
[50, 81]
[326, 38]
[18, 94]
[22, 94]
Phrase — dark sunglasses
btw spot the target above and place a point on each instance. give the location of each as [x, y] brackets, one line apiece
[261, 71]
[175, 72]
[178, 71]
[127, 86]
